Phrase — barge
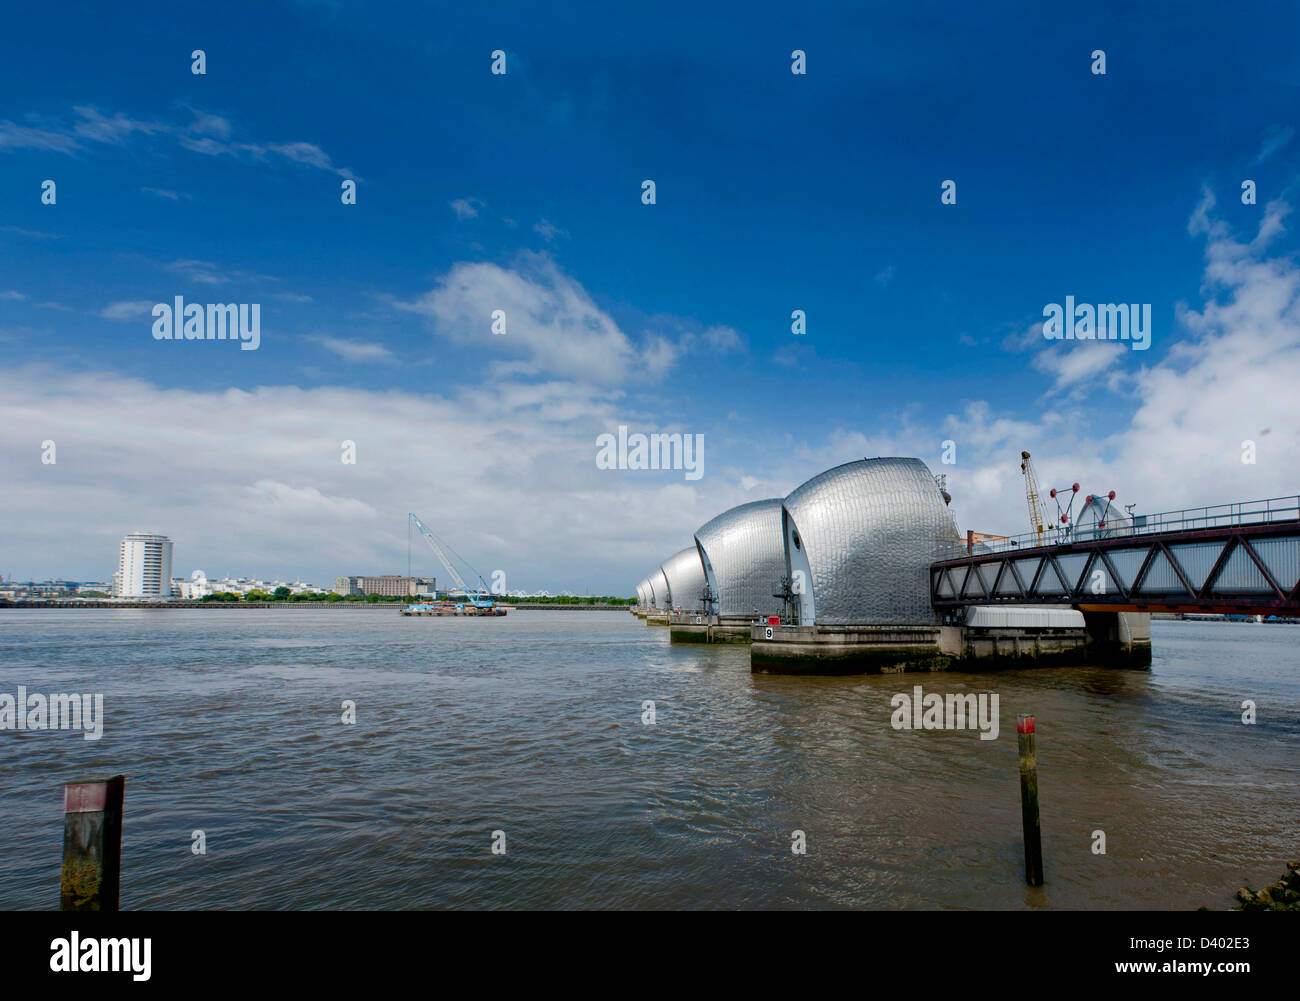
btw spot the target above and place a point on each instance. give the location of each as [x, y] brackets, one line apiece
[452, 608]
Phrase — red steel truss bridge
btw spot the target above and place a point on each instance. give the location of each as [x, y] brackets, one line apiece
[1231, 559]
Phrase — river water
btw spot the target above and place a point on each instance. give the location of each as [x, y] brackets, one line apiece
[229, 722]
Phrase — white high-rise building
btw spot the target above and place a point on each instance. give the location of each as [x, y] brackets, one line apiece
[144, 567]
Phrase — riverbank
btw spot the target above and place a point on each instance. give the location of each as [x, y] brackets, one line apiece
[1284, 895]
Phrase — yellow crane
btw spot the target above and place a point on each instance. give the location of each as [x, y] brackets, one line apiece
[1031, 494]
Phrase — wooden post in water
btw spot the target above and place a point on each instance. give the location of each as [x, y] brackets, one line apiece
[1029, 800]
[92, 844]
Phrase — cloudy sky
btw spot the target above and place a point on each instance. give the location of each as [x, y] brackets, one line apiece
[522, 192]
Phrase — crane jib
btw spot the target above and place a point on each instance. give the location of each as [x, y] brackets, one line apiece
[479, 596]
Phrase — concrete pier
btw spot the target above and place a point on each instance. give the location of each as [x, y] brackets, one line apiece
[1124, 637]
[699, 627]
[1114, 639]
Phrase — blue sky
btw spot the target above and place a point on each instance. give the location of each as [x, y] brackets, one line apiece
[775, 192]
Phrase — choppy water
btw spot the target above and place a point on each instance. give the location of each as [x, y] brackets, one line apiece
[229, 722]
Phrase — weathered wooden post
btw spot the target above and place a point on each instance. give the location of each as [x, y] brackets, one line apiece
[92, 844]
[1029, 800]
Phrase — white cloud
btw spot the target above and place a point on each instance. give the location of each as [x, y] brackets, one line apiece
[210, 125]
[552, 323]
[14, 136]
[1275, 137]
[354, 351]
[300, 152]
[465, 208]
[98, 128]
[253, 482]
[308, 153]
[269, 498]
[126, 310]
[1072, 362]
[207, 273]
[200, 272]
[548, 230]
[12, 296]
[722, 339]
[207, 134]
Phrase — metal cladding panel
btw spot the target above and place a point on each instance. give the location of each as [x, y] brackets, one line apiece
[659, 589]
[1282, 557]
[744, 548]
[685, 575]
[870, 530]
[1023, 617]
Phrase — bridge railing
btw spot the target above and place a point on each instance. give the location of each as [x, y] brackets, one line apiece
[1257, 512]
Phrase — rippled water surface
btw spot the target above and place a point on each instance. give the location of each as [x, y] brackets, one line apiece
[228, 721]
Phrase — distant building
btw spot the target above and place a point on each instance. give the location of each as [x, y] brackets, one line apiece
[388, 585]
[144, 566]
[195, 587]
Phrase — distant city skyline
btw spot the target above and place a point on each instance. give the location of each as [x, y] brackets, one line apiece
[244, 582]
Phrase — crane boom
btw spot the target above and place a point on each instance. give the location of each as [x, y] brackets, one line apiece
[1031, 494]
[437, 550]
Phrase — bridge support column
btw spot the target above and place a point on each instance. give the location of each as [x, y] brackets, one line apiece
[1119, 639]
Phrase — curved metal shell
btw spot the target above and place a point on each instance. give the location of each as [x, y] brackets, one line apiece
[1101, 518]
[864, 534]
[685, 576]
[744, 558]
[659, 590]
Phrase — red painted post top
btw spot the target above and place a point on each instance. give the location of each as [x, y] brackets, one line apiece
[1024, 724]
[774, 620]
[94, 795]
[85, 797]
